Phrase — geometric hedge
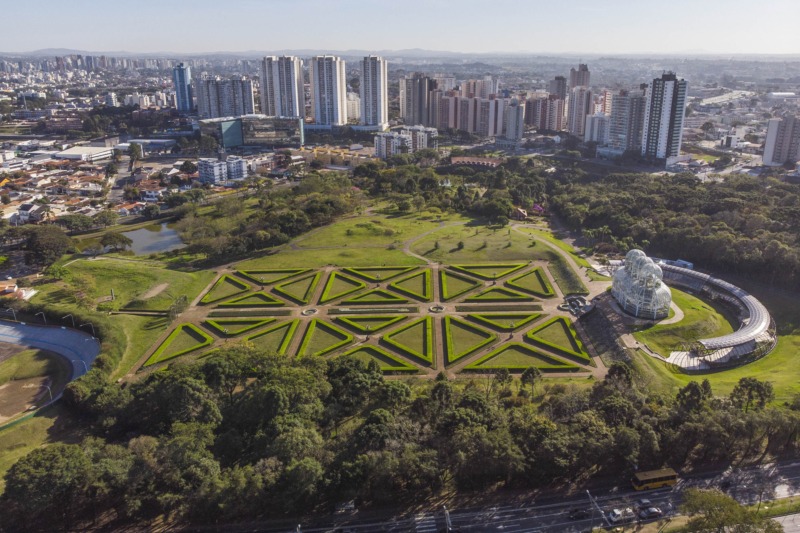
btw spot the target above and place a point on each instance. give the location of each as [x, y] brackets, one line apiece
[559, 335]
[225, 287]
[517, 357]
[505, 321]
[271, 275]
[369, 323]
[499, 294]
[415, 339]
[339, 286]
[417, 285]
[254, 299]
[534, 282]
[276, 338]
[453, 285]
[388, 363]
[322, 338]
[489, 272]
[377, 274]
[230, 327]
[299, 290]
[463, 338]
[183, 339]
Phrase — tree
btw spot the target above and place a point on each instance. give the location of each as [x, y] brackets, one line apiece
[106, 218]
[530, 376]
[111, 169]
[135, 153]
[713, 510]
[151, 211]
[45, 245]
[188, 167]
[751, 393]
[115, 240]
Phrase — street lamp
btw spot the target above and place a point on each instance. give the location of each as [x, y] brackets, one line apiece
[12, 312]
[44, 318]
[90, 325]
[85, 366]
[49, 390]
[70, 316]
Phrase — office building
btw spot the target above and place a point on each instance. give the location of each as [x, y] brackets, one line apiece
[596, 129]
[558, 86]
[415, 100]
[579, 77]
[182, 80]
[217, 97]
[328, 91]
[212, 171]
[783, 141]
[665, 108]
[282, 93]
[626, 120]
[581, 104]
[374, 103]
[258, 131]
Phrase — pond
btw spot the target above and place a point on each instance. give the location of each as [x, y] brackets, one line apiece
[153, 239]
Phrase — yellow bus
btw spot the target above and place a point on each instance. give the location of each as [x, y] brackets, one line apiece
[654, 479]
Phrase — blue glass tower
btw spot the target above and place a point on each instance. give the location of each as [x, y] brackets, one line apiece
[182, 79]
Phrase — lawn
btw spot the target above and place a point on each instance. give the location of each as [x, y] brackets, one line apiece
[499, 294]
[559, 334]
[480, 244]
[386, 361]
[369, 324]
[34, 363]
[415, 339]
[548, 236]
[372, 230]
[225, 287]
[517, 357]
[300, 289]
[341, 256]
[464, 338]
[338, 286]
[454, 285]
[275, 339]
[534, 281]
[141, 332]
[322, 338]
[700, 321]
[505, 321]
[184, 339]
[417, 285]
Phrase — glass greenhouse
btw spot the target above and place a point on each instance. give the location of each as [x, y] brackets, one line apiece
[638, 288]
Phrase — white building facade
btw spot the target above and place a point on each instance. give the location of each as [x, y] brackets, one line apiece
[374, 109]
[282, 93]
[328, 91]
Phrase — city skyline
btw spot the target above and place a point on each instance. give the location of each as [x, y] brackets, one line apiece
[702, 28]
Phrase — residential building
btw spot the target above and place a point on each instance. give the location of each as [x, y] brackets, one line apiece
[596, 129]
[217, 97]
[236, 167]
[579, 77]
[111, 100]
[421, 137]
[415, 100]
[483, 88]
[514, 121]
[282, 92]
[581, 104]
[328, 91]
[374, 108]
[444, 83]
[392, 143]
[182, 80]
[489, 117]
[665, 108]
[353, 107]
[626, 121]
[212, 170]
[558, 86]
[782, 144]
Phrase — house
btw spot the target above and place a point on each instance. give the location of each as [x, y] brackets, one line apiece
[29, 213]
[519, 214]
[151, 190]
[129, 209]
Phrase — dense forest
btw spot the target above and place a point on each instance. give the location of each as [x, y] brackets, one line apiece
[250, 435]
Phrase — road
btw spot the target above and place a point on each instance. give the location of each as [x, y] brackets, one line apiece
[550, 512]
[790, 523]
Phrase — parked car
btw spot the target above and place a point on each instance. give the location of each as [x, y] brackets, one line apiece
[648, 513]
[620, 515]
[643, 504]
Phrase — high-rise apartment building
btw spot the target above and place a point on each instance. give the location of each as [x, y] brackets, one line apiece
[581, 105]
[665, 109]
[514, 120]
[353, 107]
[626, 120]
[282, 93]
[217, 97]
[558, 86]
[596, 129]
[579, 77]
[328, 91]
[783, 141]
[483, 88]
[374, 92]
[415, 100]
[182, 80]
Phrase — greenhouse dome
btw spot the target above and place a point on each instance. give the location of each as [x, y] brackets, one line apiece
[638, 288]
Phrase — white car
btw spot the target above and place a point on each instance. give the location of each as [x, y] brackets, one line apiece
[620, 515]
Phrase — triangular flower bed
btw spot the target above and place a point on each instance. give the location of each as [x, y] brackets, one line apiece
[417, 285]
[454, 285]
[300, 290]
[559, 335]
[322, 338]
[505, 321]
[184, 339]
[339, 286]
[463, 338]
[269, 276]
[534, 282]
[389, 363]
[378, 274]
[517, 357]
[499, 294]
[489, 272]
[230, 327]
[256, 299]
[414, 339]
[375, 297]
[225, 287]
[369, 324]
[275, 339]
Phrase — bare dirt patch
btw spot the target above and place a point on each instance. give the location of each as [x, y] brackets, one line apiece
[25, 374]
[155, 291]
[21, 394]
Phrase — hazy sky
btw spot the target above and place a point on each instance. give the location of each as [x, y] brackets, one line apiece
[539, 26]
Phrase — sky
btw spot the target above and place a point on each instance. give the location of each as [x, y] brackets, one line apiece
[470, 26]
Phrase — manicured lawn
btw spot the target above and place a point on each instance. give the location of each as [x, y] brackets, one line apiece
[517, 357]
[499, 294]
[184, 339]
[415, 339]
[417, 285]
[559, 334]
[505, 321]
[369, 324]
[338, 286]
[230, 327]
[463, 338]
[141, 332]
[489, 272]
[454, 285]
[548, 236]
[375, 296]
[256, 299]
[345, 256]
[34, 363]
[374, 229]
[225, 287]
[322, 338]
[700, 321]
[386, 361]
[269, 276]
[488, 245]
[300, 289]
[276, 338]
[534, 281]
[563, 274]
[378, 273]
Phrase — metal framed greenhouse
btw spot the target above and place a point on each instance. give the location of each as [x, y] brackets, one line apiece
[638, 287]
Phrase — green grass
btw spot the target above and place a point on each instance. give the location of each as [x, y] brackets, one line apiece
[374, 229]
[488, 272]
[517, 357]
[141, 332]
[300, 290]
[322, 338]
[269, 276]
[130, 280]
[534, 281]
[275, 339]
[462, 338]
[184, 339]
[552, 239]
[559, 335]
[563, 274]
[231, 327]
[499, 294]
[488, 245]
[700, 321]
[255, 299]
[375, 296]
[453, 285]
[371, 323]
[377, 274]
[414, 339]
[339, 286]
[418, 285]
[387, 362]
[34, 363]
[505, 321]
[225, 287]
[345, 257]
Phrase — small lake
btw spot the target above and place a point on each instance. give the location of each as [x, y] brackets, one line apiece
[153, 239]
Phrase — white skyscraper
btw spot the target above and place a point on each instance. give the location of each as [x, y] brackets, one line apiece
[282, 92]
[596, 128]
[354, 107]
[663, 118]
[328, 91]
[783, 141]
[515, 121]
[218, 97]
[581, 105]
[374, 92]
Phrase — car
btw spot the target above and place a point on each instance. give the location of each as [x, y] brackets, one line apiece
[648, 513]
[615, 516]
[579, 514]
[642, 504]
